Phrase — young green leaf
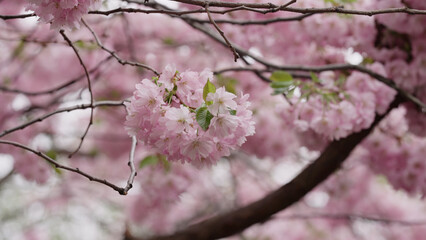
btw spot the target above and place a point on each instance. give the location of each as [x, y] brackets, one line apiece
[315, 78]
[228, 82]
[282, 82]
[281, 76]
[52, 154]
[208, 88]
[203, 117]
[148, 160]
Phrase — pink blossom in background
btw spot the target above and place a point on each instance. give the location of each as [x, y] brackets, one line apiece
[62, 13]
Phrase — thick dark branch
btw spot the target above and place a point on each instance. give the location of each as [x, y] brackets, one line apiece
[260, 211]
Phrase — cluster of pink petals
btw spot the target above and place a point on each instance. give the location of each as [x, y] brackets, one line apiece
[162, 115]
[61, 13]
[396, 153]
[354, 110]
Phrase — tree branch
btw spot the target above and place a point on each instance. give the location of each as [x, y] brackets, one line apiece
[408, 96]
[236, 56]
[56, 164]
[274, 8]
[113, 54]
[9, 17]
[254, 22]
[260, 211]
[68, 109]
[89, 85]
[56, 88]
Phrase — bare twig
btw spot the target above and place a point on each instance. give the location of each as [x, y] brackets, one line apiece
[68, 109]
[137, 10]
[89, 85]
[57, 88]
[56, 164]
[131, 164]
[236, 56]
[9, 17]
[254, 22]
[273, 8]
[112, 53]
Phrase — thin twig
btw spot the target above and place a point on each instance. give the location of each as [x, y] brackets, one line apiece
[68, 109]
[273, 8]
[131, 164]
[254, 22]
[236, 56]
[112, 53]
[57, 88]
[257, 7]
[89, 85]
[137, 10]
[58, 165]
[9, 17]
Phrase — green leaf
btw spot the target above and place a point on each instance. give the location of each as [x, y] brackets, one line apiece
[52, 154]
[227, 82]
[315, 78]
[281, 76]
[208, 88]
[282, 82]
[165, 163]
[367, 60]
[233, 112]
[57, 170]
[148, 160]
[339, 2]
[169, 41]
[203, 117]
[86, 45]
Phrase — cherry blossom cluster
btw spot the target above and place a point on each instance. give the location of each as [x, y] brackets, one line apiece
[336, 108]
[398, 154]
[62, 13]
[183, 116]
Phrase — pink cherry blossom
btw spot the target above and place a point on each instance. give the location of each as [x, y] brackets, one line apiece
[62, 13]
[171, 127]
[180, 119]
[222, 101]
